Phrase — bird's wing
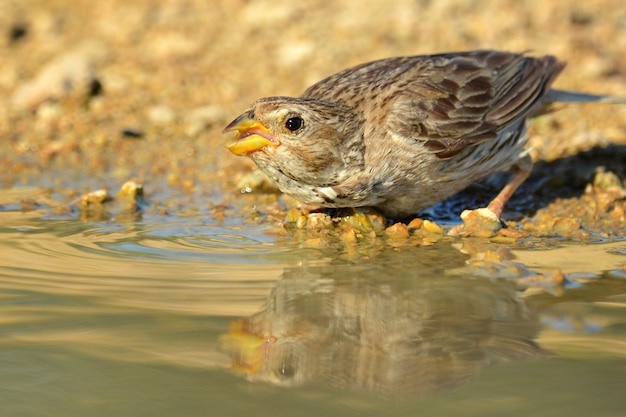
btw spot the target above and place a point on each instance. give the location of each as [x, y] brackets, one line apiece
[460, 100]
[448, 101]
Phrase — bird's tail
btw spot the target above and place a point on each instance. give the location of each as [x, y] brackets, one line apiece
[560, 96]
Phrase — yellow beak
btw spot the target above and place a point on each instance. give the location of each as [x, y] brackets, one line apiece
[251, 135]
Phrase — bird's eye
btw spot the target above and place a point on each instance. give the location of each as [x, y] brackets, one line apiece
[293, 124]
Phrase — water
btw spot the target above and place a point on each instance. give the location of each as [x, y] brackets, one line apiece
[175, 315]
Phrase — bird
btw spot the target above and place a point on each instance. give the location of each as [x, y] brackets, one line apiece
[402, 134]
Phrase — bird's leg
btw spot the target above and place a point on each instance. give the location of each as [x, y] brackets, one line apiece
[485, 222]
[521, 172]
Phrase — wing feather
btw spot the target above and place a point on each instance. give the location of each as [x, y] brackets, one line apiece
[448, 101]
[481, 94]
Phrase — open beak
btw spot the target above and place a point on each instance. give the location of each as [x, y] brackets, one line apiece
[251, 135]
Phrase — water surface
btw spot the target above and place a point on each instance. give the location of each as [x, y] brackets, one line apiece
[180, 315]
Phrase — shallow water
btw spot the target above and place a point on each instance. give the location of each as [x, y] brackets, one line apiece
[177, 315]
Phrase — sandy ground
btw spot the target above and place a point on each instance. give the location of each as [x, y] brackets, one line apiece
[96, 93]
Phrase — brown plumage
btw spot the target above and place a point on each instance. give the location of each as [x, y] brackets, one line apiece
[402, 134]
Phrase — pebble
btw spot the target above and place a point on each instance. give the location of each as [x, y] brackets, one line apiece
[349, 235]
[481, 222]
[606, 180]
[415, 223]
[319, 221]
[433, 227]
[94, 198]
[565, 226]
[397, 231]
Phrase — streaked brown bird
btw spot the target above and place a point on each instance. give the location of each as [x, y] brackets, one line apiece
[402, 134]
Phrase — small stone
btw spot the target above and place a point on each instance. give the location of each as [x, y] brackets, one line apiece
[565, 226]
[606, 180]
[365, 220]
[131, 190]
[433, 227]
[94, 198]
[481, 223]
[358, 221]
[319, 221]
[349, 235]
[415, 223]
[502, 239]
[511, 233]
[130, 196]
[292, 216]
[397, 231]
[301, 222]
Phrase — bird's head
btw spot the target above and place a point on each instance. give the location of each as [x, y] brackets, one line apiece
[306, 139]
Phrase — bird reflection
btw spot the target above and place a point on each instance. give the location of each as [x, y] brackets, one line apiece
[378, 331]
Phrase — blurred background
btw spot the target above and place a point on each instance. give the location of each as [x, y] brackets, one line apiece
[139, 88]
